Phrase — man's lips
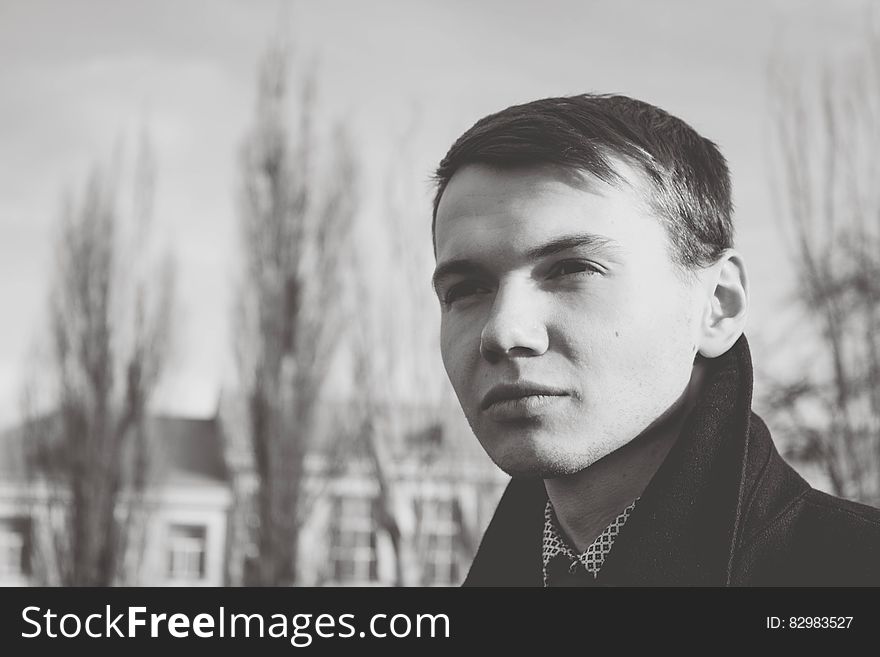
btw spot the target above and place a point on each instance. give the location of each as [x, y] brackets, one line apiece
[506, 392]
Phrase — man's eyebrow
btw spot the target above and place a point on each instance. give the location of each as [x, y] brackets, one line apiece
[463, 266]
[567, 242]
[459, 267]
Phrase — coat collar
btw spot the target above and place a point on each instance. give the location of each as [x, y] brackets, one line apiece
[690, 519]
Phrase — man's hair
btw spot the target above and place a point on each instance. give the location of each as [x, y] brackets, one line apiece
[689, 184]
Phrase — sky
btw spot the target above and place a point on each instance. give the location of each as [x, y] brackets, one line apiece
[81, 79]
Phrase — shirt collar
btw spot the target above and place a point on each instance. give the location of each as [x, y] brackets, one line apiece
[554, 542]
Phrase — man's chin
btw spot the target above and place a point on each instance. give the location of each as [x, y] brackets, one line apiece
[529, 464]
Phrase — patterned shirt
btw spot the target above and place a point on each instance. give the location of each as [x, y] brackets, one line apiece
[593, 557]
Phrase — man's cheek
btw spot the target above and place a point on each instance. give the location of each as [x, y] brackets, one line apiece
[459, 341]
[455, 370]
[447, 347]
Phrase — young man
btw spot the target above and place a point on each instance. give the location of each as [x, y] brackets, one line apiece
[593, 310]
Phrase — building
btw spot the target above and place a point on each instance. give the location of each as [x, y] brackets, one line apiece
[197, 511]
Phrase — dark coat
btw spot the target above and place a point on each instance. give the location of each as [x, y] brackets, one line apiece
[724, 509]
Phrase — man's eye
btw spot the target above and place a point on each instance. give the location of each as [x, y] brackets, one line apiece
[568, 267]
[463, 290]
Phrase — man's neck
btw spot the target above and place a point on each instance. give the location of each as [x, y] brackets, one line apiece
[587, 501]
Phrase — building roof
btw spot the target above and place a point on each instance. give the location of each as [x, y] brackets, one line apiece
[204, 451]
[190, 450]
[183, 451]
[430, 434]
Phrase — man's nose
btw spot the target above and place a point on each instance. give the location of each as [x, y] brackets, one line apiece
[515, 325]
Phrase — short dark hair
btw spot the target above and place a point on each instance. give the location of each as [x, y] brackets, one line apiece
[688, 177]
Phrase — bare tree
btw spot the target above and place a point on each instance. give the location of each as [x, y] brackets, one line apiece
[398, 373]
[297, 206]
[385, 341]
[827, 129]
[110, 320]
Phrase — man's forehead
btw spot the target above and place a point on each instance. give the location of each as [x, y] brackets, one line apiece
[471, 179]
[525, 195]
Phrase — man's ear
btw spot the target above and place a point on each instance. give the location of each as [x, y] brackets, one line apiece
[724, 316]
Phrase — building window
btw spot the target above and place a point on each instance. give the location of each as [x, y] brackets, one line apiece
[440, 532]
[187, 546]
[14, 547]
[353, 541]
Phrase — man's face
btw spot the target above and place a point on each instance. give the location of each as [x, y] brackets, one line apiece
[566, 329]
